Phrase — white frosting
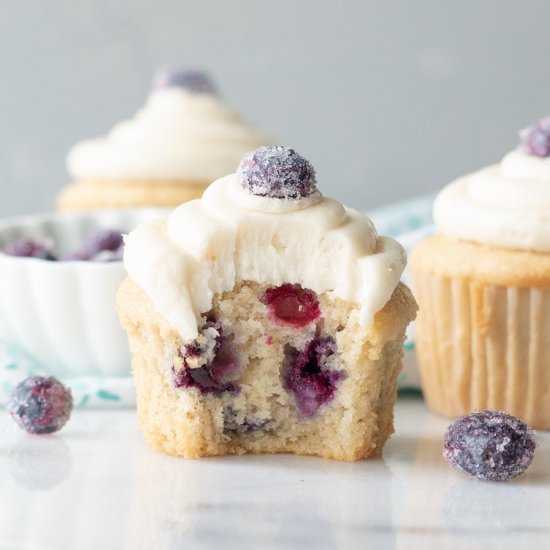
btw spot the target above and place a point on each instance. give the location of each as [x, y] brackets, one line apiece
[207, 245]
[177, 135]
[505, 205]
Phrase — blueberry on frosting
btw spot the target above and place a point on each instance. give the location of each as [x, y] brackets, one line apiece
[277, 172]
[535, 139]
[490, 445]
[192, 80]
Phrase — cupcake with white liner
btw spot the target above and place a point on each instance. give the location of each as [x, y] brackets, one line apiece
[265, 318]
[184, 138]
[483, 285]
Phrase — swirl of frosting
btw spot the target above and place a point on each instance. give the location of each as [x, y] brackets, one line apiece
[207, 245]
[179, 135]
[505, 205]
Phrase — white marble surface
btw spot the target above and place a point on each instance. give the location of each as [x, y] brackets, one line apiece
[96, 486]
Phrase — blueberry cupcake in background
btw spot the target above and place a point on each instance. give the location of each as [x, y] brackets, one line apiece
[183, 139]
[265, 318]
[483, 286]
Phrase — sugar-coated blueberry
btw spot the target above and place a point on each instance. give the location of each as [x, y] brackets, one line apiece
[490, 445]
[277, 172]
[535, 139]
[40, 404]
[192, 80]
[30, 248]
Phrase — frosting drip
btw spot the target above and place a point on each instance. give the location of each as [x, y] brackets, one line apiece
[179, 134]
[208, 245]
[505, 205]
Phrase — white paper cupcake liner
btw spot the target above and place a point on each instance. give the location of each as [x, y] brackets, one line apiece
[484, 347]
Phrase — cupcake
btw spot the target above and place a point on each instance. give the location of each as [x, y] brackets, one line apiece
[184, 138]
[265, 318]
[483, 285]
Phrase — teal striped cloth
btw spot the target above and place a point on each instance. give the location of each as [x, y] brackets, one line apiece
[90, 391]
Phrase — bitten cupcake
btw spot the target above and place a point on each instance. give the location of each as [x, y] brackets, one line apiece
[483, 285]
[183, 139]
[265, 318]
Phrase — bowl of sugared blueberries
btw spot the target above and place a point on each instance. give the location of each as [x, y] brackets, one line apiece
[58, 278]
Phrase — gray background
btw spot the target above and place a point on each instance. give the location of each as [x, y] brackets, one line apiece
[388, 99]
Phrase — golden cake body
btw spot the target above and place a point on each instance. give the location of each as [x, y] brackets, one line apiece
[483, 286]
[168, 153]
[302, 293]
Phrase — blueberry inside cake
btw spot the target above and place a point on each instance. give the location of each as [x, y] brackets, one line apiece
[265, 318]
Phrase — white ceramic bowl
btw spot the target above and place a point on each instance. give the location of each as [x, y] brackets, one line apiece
[61, 313]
